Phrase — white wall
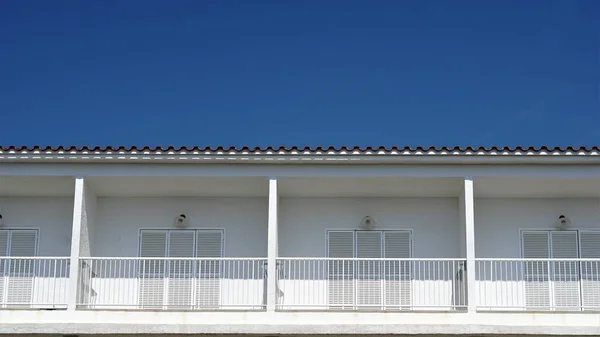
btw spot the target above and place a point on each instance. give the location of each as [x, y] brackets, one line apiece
[118, 221]
[498, 221]
[53, 216]
[303, 223]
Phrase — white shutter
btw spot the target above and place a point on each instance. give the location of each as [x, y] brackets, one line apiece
[3, 263]
[179, 290]
[368, 245]
[537, 285]
[397, 245]
[535, 245]
[22, 243]
[590, 270]
[565, 274]
[209, 244]
[397, 274]
[153, 243]
[368, 276]
[340, 244]
[3, 244]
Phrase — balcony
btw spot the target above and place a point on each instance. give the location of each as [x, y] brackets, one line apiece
[172, 284]
[34, 282]
[304, 284]
[312, 284]
[371, 284]
[35, 241]
[240, 284]
[424, 269]
[538, 284]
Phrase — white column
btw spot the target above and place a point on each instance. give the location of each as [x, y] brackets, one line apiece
[272, 250]
[84, 206]
[467, 200]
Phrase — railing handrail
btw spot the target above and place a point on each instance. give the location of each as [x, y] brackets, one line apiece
[297, 258]
[176, 258]
[538, 260]
[367, 259]
[34, 258]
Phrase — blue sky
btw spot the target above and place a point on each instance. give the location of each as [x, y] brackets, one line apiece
[144, 72]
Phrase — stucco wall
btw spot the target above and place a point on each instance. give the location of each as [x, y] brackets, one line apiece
[53, 216]
[303, 223]
[498, 221]
[118, 221]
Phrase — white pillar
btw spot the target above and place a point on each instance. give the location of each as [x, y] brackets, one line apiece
[467, 200]
[84, 206]
[272, 250]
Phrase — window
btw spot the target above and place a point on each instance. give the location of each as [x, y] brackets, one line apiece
[180, 282]
[16, 275]
[565, 284]
[369, 283]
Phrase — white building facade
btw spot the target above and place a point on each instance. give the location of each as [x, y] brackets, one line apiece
[300, 241]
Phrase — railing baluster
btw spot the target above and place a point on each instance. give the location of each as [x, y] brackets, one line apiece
[537, 284]
[43, 281]
[382, 284]
[33, 282]
[307, 283]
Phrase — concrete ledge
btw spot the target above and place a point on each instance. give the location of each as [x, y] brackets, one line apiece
[310, 330]
[286, 323]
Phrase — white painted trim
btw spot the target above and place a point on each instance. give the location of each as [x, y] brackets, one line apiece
[248, 170]
[309, 156]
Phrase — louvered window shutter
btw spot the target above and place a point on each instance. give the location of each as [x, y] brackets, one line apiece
[397, 245]
[537, 287]
[179, 290]
[209, 244]
[565, 274]
[590, 270]
[3, 244]
[3, 264]
[340, 244]
[368, 278]
[153, 243]
[22, 243]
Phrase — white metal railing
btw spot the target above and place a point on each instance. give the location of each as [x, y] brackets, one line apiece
[34, 282]
[172, 283]
[538, 284]
[371, 284]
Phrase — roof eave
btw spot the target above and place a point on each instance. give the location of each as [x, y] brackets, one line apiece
[298, 158]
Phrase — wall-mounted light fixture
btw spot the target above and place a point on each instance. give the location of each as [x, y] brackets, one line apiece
[367, 223]
[563, 222]
[180, 221]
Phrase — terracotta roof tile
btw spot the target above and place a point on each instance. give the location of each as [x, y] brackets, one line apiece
[306, 149]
